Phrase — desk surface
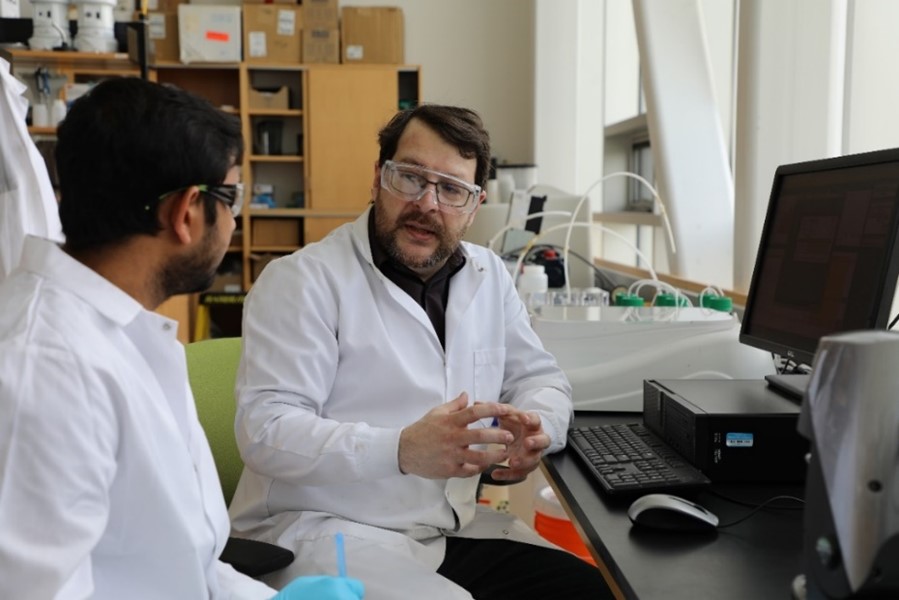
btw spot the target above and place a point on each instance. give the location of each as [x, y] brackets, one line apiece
[757, 558]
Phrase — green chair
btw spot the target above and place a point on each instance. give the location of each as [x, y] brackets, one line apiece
[212, 370]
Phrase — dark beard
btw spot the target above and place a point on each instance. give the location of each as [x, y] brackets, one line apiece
[192, 274]
[387, 239]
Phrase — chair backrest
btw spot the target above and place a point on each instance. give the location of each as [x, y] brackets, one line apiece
[212, 369]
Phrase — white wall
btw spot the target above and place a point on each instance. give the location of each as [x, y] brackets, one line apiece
[621, 62]
[872, 88]
[569, 82]
[478, 54]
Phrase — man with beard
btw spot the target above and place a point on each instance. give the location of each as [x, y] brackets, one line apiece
[108, 489]
[385, 369]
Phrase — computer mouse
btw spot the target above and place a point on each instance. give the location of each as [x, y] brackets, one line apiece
[664, 511]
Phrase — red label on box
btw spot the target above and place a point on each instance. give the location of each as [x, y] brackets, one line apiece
[217, 36]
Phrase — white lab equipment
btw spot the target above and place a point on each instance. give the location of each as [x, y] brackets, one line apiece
[50, 25]
[58, 112]
[96, 24]
[851, 416]
[40, 115]
[607, 351]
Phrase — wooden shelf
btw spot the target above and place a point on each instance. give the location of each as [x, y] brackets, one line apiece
[273, 249]
[276, 158]
[273, 112]
[304, 212]
[42, 130]
[166, 64]
[275, 66]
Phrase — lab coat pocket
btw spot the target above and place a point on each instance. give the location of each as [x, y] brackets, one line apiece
[489, 366]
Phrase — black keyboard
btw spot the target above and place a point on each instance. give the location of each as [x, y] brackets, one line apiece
[630, 459]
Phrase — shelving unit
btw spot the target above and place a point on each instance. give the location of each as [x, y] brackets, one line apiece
[322, 172]
[328, 139]
[83, 67]
[329, 146]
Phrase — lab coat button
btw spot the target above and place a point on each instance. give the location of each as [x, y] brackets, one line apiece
[166, 326]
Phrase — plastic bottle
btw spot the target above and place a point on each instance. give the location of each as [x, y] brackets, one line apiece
[40, 116]
[532, 280]
[58, 112]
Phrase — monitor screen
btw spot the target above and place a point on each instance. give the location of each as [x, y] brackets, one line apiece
[827, 259]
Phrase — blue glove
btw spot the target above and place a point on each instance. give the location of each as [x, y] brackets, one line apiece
[322, 587]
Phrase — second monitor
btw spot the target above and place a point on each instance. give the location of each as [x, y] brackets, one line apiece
[828, 257]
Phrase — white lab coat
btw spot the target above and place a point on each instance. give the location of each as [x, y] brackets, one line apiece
[107, 484]
[27, 202]
[337, 359]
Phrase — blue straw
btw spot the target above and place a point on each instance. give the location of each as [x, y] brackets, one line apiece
[341, 558]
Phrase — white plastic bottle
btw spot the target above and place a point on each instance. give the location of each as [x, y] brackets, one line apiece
[57, 112]
[533, 280]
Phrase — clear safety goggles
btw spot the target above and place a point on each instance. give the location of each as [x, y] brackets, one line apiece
[410, 182]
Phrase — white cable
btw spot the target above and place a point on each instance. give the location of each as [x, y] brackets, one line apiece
[717, 291]
[520, 225]
[659, 285]
[569, 226]
[663, 210]
[586, 195]
[680, 299]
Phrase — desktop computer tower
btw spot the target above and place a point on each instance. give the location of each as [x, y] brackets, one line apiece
[730, 429]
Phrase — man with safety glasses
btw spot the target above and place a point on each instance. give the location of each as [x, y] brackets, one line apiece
[384, 370]
[108, 488]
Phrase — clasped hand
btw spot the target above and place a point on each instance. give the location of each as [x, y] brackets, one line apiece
[438, 445]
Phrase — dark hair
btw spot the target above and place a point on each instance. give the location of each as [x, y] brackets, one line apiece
[459, 127]
[125, 143]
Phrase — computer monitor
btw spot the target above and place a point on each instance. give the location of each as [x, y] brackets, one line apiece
[828, 257]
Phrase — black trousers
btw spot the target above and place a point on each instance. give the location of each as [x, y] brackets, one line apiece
[507, 570]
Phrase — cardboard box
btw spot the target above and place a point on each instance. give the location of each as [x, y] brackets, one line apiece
[277, 232]
[372, 35]
[209, 33]
[227, 283]
[321, 45]
[272, 33]
[162, 33]
[321, 14]
[163, 6]
[270, 99]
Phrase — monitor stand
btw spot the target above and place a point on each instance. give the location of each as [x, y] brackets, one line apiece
[792, 386]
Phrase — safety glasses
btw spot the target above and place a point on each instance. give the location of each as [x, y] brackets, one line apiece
[229, 194]
[410, 182]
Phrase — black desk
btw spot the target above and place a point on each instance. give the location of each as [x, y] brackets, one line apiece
[754, 560]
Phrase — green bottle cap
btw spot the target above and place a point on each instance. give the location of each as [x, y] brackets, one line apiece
[669, 300]
[628, 300]
[722, 303]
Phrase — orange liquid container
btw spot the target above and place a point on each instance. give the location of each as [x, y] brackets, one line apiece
[551, 522]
